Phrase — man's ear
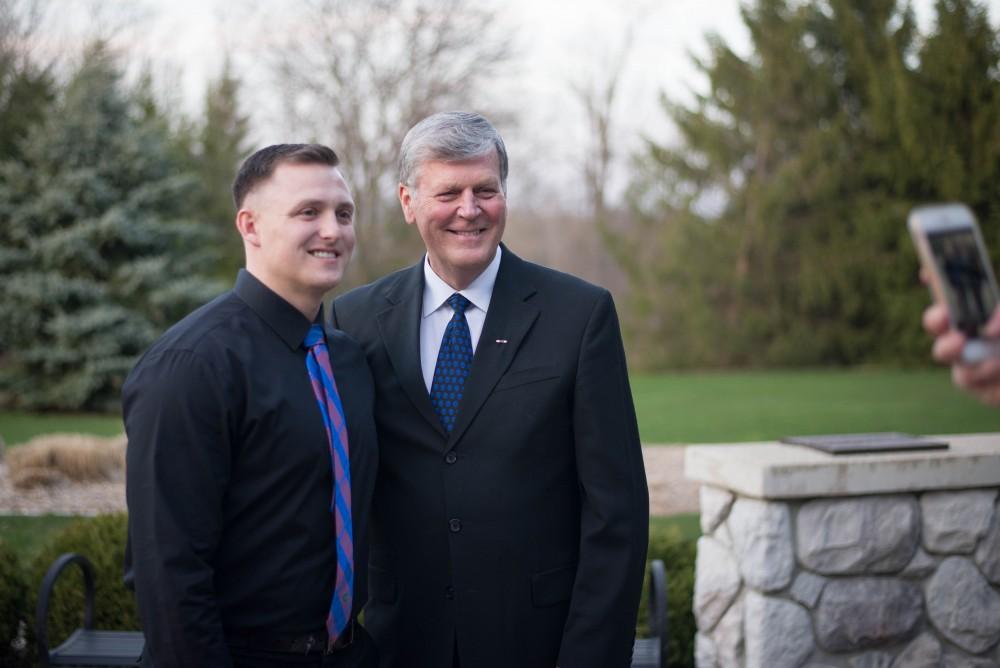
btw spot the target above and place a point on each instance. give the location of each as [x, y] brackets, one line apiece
[406, 202]
[246, 223]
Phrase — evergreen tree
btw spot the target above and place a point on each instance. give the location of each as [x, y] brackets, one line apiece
[26, 88]
[24, 93]
[780, 220]
[218, 146]
[95, 260]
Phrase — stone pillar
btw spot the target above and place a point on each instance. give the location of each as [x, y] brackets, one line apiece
[848, 561]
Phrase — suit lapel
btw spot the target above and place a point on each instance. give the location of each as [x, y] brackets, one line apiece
[399, 325]
[508, 321]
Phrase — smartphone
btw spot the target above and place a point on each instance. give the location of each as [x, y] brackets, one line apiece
[954, 257]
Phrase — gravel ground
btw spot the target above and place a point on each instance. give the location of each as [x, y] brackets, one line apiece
[669, 491]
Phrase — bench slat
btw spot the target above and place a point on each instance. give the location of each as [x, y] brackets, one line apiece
[646, 653]
[99, 648]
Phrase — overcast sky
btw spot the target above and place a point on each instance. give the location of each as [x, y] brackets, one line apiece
[559, 41]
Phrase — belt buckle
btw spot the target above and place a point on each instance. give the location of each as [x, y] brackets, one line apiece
[309, 641]
[343, 641]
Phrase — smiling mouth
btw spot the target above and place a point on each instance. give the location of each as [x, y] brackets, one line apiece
[324, 255]
[468, 233]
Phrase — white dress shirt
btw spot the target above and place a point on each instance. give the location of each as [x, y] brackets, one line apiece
[436, 313]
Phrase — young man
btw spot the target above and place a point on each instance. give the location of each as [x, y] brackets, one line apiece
[510, 518]
[252, 451]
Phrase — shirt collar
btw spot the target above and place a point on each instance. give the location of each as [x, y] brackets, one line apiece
[479, 292]
[286, 320]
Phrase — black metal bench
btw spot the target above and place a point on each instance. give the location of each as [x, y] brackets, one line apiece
[86, 646]
[652, 652]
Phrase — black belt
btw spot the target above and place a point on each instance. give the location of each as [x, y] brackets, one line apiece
[310, 643]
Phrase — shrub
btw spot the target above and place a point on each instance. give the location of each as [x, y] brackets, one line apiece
[102, 541]
[678, 555]
[50, 458]
[13, 609]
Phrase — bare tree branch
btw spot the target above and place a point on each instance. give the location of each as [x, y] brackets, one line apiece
[359, 75]
[597, 96]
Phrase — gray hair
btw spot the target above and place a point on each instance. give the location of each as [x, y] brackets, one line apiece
[450, 135]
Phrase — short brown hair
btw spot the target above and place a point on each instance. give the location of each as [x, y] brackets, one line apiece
[261, 165]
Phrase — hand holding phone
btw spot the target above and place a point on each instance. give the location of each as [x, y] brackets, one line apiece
[958, 270]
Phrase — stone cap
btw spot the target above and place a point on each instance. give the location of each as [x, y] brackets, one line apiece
[772, 470]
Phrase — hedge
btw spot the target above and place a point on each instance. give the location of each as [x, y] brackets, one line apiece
[102, 541]
[13, 609]
[678, 555]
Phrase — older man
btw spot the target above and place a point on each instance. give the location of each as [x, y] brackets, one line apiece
[510, 518]
[251, 457]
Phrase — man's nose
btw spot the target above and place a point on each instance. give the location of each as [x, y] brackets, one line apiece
[468, 204]
[328, 226]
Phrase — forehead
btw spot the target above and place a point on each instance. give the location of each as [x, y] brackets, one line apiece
[291, 181]
[484, 168]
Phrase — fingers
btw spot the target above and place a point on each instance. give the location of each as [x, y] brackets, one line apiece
[936, 319]
[981, 380]
[973, 376]
[948, 342]
[992, 328]
[948, 347]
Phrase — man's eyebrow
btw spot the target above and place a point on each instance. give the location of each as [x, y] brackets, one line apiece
[490, 182]
[317, 203]
[302, 203]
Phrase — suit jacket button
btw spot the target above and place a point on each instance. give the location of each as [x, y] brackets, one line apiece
[449, 592]
[450, 458]
[455, 525]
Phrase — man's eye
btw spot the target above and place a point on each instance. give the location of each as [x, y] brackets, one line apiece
[309, 212]
[345, 215]
[486, 193]
[447, 195]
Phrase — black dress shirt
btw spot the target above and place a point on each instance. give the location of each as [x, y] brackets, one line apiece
[229, 477]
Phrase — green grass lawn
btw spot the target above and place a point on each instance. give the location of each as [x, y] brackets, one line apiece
[766, 405]
[724, 407]
[27, 534]
[20, 427]
[689, 524]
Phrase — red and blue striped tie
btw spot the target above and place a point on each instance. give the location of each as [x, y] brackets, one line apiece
[325, 389]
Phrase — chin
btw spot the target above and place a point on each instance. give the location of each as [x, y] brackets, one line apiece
[477, 254]
[328, 283]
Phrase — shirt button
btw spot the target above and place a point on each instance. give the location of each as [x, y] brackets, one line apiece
[450, 458]
[449, 592]
[455, 525]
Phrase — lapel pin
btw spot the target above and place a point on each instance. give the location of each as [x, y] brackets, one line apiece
[501, 340]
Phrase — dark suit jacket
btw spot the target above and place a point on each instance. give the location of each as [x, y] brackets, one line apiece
[521, 537]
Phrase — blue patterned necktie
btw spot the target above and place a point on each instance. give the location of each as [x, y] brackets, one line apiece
[325, 389]
[453, 362]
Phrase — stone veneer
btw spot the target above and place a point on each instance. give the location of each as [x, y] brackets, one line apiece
[848, 561]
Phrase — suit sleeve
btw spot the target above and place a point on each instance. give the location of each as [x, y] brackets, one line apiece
[614, 522]
[177, 468]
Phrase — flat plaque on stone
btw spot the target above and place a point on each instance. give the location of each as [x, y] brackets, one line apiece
[885, 441]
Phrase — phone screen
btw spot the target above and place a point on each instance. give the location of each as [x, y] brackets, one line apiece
[967, 287]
